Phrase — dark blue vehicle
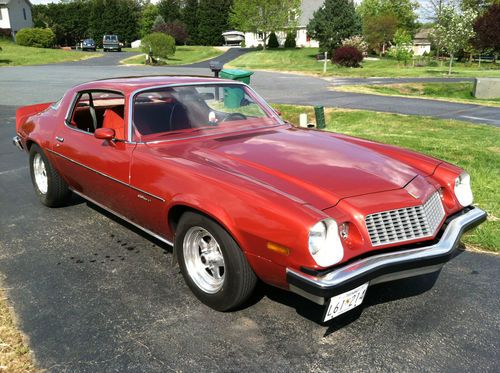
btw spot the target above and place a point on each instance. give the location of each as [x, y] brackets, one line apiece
[89, 44]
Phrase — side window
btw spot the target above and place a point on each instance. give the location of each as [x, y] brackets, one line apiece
[99, 109]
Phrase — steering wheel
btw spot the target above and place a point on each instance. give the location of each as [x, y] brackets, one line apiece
[234, 116]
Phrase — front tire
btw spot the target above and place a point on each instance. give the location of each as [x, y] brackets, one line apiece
[50, 187]
[212, 263]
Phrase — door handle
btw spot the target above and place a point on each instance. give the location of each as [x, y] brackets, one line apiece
[60, 139]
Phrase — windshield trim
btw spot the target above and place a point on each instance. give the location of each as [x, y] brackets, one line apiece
[132, 96]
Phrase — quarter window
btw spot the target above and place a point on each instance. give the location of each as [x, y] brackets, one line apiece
[99, 109]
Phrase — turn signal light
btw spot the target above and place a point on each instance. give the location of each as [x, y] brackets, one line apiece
[278, 248]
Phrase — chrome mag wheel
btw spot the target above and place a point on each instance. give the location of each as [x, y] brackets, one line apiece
[204, 260]
[40, 173]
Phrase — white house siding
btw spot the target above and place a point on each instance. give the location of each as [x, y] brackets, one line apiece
[18, 15]
[4, 17]
[420, 49]
[253, 39]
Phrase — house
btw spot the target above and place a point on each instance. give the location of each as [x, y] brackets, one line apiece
[421, 42]
[307, 7]
[14, 15]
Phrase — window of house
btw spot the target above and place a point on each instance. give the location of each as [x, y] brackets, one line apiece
[260, 36]
[24, 13]
[0, 13]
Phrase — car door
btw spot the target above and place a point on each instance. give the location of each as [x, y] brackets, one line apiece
[98, 169]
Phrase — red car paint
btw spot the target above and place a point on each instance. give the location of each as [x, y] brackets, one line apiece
[268, 184]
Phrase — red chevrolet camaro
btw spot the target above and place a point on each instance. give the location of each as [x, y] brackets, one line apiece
[207, 165]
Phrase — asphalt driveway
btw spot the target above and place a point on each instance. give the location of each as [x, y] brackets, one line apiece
[24, 84]
[94, 295]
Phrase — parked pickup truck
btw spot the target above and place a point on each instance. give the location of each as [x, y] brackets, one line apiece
[111, 43]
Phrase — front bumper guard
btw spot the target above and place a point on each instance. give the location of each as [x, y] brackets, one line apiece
[388, 266]
[16, 140]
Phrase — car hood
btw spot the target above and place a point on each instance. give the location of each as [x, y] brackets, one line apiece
[315, 167]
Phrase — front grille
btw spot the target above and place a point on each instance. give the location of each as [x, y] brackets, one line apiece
[405, 224]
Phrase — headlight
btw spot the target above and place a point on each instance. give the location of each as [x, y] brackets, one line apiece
[324, 243]
[463, 192]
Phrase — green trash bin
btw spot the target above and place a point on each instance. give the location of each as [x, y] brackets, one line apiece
[234, 96]
[235, 74]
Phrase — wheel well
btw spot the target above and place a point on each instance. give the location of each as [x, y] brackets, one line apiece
[175, 213]
[28, 144]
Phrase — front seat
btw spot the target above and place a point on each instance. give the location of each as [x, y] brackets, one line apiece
[114, 121]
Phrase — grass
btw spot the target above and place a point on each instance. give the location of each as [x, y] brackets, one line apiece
[16, 55]
[183, 55]
[456, 92]
[15, 355]
[303, 60]
[476, 148]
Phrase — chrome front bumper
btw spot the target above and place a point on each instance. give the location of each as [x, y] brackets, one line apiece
[16, 140]
[386, 267]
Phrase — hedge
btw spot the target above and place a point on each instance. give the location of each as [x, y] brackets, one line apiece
[36, 37]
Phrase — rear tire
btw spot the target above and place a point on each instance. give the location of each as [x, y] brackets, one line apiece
[50, 187]
[213, 265]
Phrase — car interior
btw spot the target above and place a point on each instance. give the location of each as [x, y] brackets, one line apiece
[99, 110]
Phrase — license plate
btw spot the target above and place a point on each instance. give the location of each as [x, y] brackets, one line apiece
[345, 302]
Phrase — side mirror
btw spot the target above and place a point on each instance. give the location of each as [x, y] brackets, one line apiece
[104, 134]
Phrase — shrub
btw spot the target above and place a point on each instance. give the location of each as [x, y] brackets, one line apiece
[162, 45]
[402, 48]
[290, 40]
[36, 37]
[273, 43]
[259, 47]
[175, 29]
[347, 56]
[357, 42]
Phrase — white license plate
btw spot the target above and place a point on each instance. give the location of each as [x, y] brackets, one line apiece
[345, 302]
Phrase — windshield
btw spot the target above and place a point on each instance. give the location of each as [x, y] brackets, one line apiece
[165, 113]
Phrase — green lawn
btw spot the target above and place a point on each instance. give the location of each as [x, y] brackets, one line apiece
[476, 148]
[183, 55]
[456, 92]
[15, 55]
[303, 60]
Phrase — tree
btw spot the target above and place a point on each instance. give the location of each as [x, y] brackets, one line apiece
[175, 29]
[213, 20]
[158, 22]
[403, 10]
[120, 17]
[487, 28]
[334, 21]
[455, 29]
[273, 42]
[170, 10]
[479, 6]
[159, 44]
[379, 31]
[148, 16]
[402, 48]
[290, 40]
[68, 21]
[265, 16]
[356, 41]
[190, 19]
